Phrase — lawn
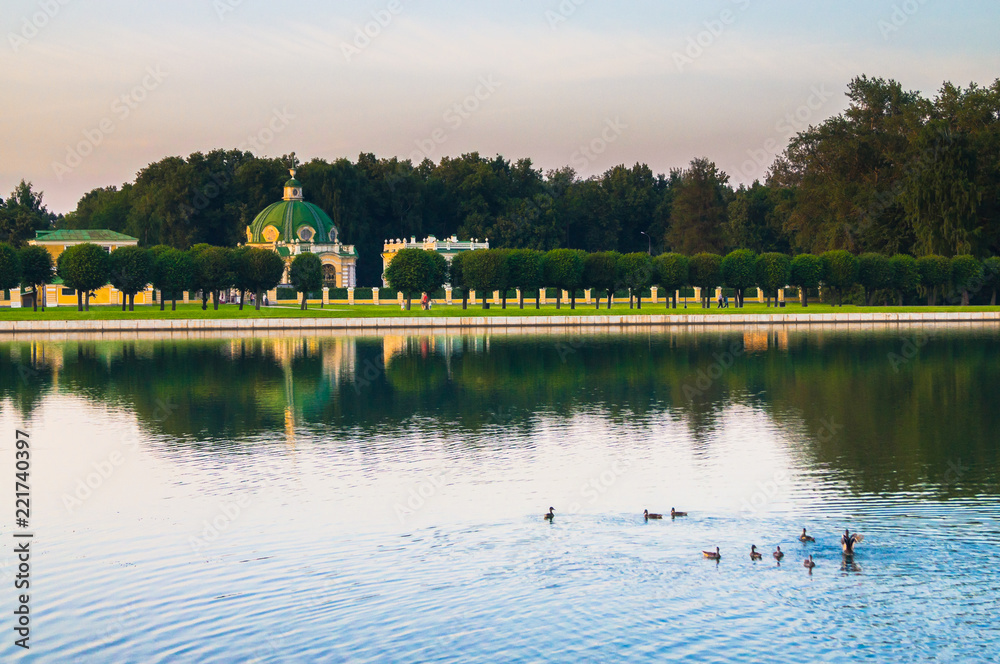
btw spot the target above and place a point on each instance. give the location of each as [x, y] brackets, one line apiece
[228, 311]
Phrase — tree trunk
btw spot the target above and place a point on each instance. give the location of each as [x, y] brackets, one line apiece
[611, 298]
[86, 301]
[131, 302]
[638, 302]
[34, 300]
[503, 300]
[173, 303]
[930, 297]
[465, 300]
[408, 301]
[598, 299]
[486, 303]
[993, 302]
[558, 298]
[520, 298]
[305, 301]
[965, 297]
[79, 300]
[163, 301]
[215, 300]
[243, 297]
[538, 299]
[204, 301]
[258, 296]
[124, 301]
[572, 300]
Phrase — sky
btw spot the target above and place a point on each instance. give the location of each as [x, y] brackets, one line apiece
[94, 91]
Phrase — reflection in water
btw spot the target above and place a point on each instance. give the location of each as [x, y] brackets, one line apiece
[863, 403]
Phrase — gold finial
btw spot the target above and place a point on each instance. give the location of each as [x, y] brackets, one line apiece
[292, 171]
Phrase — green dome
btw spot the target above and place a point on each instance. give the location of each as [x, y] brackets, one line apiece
[295, 221]
[293, 183]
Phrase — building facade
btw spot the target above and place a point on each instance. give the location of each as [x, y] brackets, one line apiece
[293, 226]
[449, 248]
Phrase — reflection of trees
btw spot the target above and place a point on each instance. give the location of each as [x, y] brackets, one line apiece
[890, 428]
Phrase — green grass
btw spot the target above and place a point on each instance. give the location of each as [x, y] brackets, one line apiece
[194, 311]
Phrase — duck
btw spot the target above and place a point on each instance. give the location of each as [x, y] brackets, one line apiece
[551, 514]
[754, 553]
[648, 515]
[712, 555]
[675, 513]
[778, 555]
[808, 562]
[848, 541]
[806, 538]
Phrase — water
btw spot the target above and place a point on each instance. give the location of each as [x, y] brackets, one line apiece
[379, 499]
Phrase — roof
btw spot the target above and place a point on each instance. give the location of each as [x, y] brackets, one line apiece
[293, 183]
[92, 235]
[289, 218]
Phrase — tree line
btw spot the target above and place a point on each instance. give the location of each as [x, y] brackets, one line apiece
[202, 268]
[895, 173]
[877, 278]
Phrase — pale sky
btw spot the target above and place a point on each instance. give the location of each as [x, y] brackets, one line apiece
[93, 91]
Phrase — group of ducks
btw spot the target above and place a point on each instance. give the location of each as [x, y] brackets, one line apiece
[847, 541]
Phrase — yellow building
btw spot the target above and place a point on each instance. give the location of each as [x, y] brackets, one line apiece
[292, 227]
[449, 248]
[56, 242]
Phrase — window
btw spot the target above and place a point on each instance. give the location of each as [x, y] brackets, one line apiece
[68, 291]
[305, 234]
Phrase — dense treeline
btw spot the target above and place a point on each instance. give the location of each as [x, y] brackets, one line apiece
[896, 173]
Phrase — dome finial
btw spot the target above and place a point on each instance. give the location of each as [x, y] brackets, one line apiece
[292, 171]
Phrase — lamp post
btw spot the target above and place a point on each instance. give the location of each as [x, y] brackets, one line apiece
[650, 251]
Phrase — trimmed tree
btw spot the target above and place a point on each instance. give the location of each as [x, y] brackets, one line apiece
[306, 274]
[991, 272]
[705, 272]
[739, 272]
[213, 267]
[966, 273]
[840, 272]
[600, 273]
[524, 267]
[10, 267]
[805, 272]
[264, 270]
[935, 271]
[37, 270]
[131, 270]
[905, 275]
[408, 272]
[456, 276]
[637, 273]
[772, 271]
[671, 274]
[563, 269]
[874, 273]
[84, 267]
[173, 272]
[486, 271]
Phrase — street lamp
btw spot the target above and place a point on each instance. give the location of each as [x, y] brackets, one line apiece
[650, 251]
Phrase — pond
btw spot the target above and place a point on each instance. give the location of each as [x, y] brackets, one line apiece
[380, 498]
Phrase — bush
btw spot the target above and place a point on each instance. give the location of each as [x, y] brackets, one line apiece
[840, 272]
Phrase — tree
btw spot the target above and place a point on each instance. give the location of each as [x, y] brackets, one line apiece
[22, 214]
[563, 269]
[456, 276]
[966, 273]
[840, 271]
[705, 273]
[306, 274]
[131, 270]
[637, 274]
[905, 275]
[600, 273]
[486, 271]
[991, 272]
[671, 274]
[412, 272]
[805, 272]
[525, 271]
[10, 267]
[753, 222]
[739, 272]
[213, 268]
[264, 270]
[699, 209]
[874, 273]
[36, 271]
[173, 272]
[772, 270]
[935, 271]
[84, 267]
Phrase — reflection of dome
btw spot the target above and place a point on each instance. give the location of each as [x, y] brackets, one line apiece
[293, 220]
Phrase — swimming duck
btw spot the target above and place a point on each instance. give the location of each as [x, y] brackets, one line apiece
[648, 515]
[754, 554]
[778, 555]
[808, 562]
[713, 555]
[848, 541]
[675, 513]
[551, 515]
[806, 538]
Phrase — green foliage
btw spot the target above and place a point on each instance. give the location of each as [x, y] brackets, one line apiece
[874, 273]
[10, 267]
[966, 274]
[306, 275]
[636, 271]
[935, 271]
[991, 273]
[456, 271]
[600, 271]
[524, 267]
[563, 268]
[699, 209]
[173, 271]
[754, 222]
[840, 271]
[131, 269]
[262, 271]
[213, 268]
[416, 271]
[22, 214]
[905, 275]
[805, 272]
[671, 271]
[739, 272]
[486, 271]
[37, 270]
[84, 267]
[705, 271]
[772, 270]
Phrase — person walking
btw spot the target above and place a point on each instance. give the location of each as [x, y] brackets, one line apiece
[423, 302]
